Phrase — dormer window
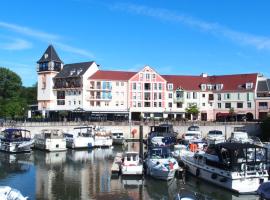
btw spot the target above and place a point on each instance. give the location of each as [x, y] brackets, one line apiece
[203, 87]
[45, 55]
[249, 85]
[170, 86]
[209, 86]
[219, 86]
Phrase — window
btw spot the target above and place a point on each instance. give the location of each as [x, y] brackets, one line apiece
[170, 86]
[238, 96]
[91, 103]
[203, 95]
[147, 86]
[211, 97]
[227, 105]
[98, 103]
[74, 102]
[203, 87]
[122, 103]
[227, 96]
[249, 104]
[249, 86]
[179, 105]
[147, 96]
[155, 96]
[155, 104]
[146, 104]
[79, 102]
[169, 104]
[155, 86]
[134, 103]
[160, 86]
[219, 105]
[147, 77]
[116, 103]
[239, 105]
[122, 83]
[159, 104]
[117, 83]
[188, 95]
[249, 96]
[194, 95]
[139, 95]
[133, 95]
[219, 86]
[134, 86]
[106, 103]
[159, 96]
[219, 97]
[139, 104]
[69, 103]
[153, 76]
[203, 104]
[60, 102]
[263, 105]
[170, 95]
[139, 86]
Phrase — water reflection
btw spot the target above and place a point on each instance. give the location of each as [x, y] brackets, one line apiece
[82, 174]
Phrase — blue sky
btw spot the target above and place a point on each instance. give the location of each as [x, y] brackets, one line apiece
[173, 37]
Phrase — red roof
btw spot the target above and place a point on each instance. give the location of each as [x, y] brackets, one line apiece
[112, 75]
[235, 82]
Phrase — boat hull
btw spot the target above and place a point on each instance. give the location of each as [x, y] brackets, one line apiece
[132, 170]
[16, 147]
[80, 142]
[234, 182]
[50, 145]
[103, 142]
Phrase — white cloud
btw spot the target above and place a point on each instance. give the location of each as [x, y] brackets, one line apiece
[259, 42]
[16, 44]
[45, 37]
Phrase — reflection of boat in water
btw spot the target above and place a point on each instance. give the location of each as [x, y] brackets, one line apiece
[131, 181]
[50, 158]
[15, 140]
[8, 193]
[81, 156]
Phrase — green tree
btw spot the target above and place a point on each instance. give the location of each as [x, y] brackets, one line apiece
[193, 110]
[232, 114]
[11, 102]
[29, 94]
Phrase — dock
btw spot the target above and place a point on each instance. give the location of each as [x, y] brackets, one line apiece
[115, 169]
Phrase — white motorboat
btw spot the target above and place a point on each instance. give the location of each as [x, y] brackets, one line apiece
[102, 137]
[131, 164]
[50, 140]
[81, 137]
[193, 133]
[160, 164]
[8, 193]
[239, 135]
[15, 140]
[215, 136]
[233, 166]
[118, 137]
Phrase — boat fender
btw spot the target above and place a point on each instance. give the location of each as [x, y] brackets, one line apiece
[243, 167]
[157, 163]
[197, 172]
[214, 176]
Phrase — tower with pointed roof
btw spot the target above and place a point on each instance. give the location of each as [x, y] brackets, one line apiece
[48, 66]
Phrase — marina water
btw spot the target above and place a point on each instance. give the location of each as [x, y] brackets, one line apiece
[85, 174]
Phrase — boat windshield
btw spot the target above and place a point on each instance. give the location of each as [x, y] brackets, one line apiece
[160, 152]
[215, 133]
[193, 128]
[191, 134]
[239, 129]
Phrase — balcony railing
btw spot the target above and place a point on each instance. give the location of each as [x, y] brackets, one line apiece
[178, 99]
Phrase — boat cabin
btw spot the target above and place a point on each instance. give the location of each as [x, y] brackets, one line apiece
[236, 156]
[52, 133]
[15, 134]
[131, 159]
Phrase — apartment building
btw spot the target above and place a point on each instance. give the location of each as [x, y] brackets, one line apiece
[85, 88]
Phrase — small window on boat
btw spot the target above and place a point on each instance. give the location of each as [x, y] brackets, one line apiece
[128, 158]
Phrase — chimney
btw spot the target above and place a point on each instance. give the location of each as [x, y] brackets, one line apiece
[204, 75]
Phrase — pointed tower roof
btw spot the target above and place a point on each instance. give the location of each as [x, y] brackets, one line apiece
[49, 55]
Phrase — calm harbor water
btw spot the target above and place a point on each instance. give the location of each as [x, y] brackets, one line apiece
[82, 174]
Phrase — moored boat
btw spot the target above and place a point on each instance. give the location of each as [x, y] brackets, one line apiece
[131, 164]
[80, 137]
[8, 193]
[16, 140]
[118, 137]
[102, 137]
[50, 140]
[160, 164]
[234, 166]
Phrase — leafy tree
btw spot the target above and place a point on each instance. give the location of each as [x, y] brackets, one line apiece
[193, 109]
